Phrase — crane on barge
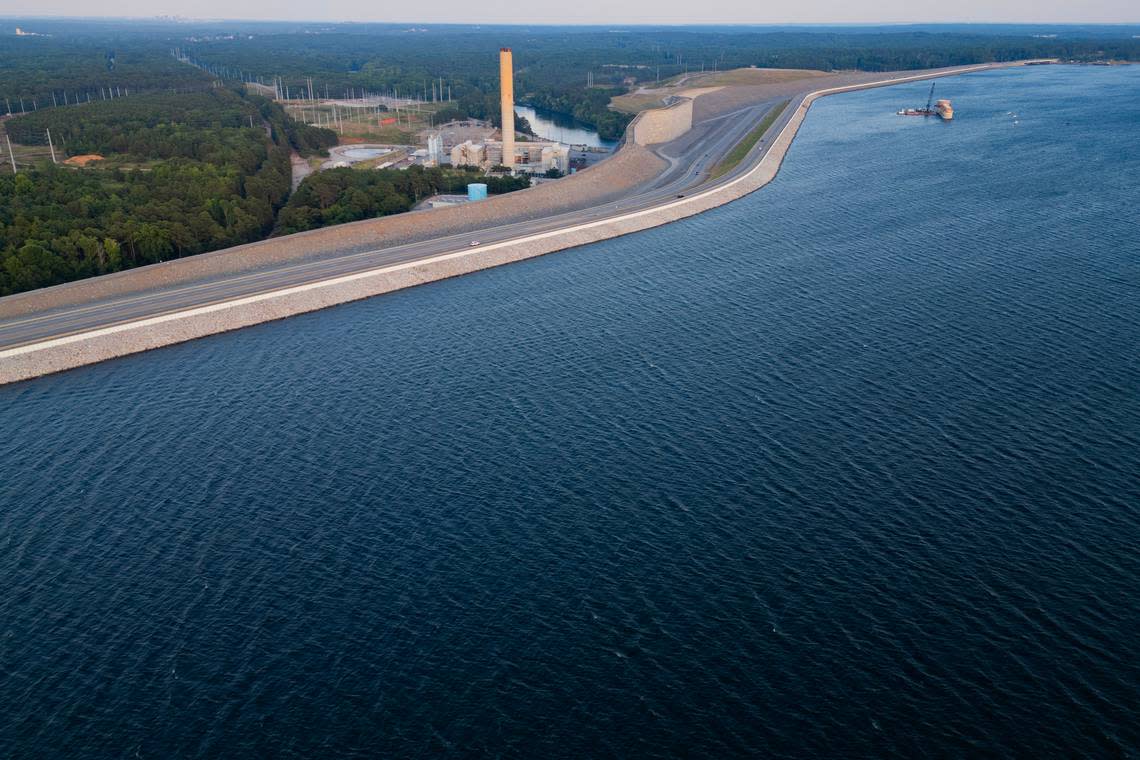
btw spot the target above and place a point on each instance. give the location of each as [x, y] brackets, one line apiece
[942, 109]
[927, 111]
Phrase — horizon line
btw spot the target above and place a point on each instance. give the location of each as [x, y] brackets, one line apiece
[175, 18]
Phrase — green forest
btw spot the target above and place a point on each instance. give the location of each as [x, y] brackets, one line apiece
[185, 174]
[38, 72]
[189, 173]
[202, 179]
[555, 65]
[195, 162]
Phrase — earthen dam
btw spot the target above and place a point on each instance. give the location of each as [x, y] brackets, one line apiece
[663, 172]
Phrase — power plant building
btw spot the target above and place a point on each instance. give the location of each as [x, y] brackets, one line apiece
[532, 157]
[556, 156]
[469, 153]
[435, 149]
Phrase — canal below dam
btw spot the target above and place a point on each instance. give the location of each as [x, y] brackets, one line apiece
[847, 467]
[550, 125]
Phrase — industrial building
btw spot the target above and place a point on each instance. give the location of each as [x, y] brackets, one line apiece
[528, 157]
[532, 157]
[469, 153]
[435, 149]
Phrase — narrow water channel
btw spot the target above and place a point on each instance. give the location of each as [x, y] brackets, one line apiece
[565, 129]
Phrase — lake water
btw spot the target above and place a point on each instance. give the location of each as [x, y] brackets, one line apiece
[850, 467]
[562, 128]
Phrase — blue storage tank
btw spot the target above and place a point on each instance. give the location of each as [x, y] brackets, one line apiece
[477, 191]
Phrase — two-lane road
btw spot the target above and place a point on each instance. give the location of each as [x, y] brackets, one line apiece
[690, 161]
[716, 136]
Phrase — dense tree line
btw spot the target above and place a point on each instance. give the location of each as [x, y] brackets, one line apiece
[554, 64]
[38, 72]
[303, 138]
[212, 164]
[216, 127]
[219, 183]
[58, 225]
[337, 196]
[216, 173]
[220, 126]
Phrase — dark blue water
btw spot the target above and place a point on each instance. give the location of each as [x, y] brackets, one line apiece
[848, 468]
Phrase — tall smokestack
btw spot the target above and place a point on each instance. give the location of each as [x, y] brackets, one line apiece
[507, 95]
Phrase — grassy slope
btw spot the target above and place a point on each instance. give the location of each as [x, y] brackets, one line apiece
[737, 154]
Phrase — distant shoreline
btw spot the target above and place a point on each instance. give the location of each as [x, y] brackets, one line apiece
[759, 167]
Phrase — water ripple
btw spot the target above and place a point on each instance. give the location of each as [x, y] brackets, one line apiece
[847, 468]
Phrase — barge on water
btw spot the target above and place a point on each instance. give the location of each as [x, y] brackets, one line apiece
[942, 109]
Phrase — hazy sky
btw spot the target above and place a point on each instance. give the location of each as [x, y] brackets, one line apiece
[606, 11]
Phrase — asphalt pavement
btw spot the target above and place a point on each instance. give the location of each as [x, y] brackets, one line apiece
[708, 142]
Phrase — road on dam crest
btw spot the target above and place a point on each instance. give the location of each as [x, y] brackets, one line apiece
[691, 161]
